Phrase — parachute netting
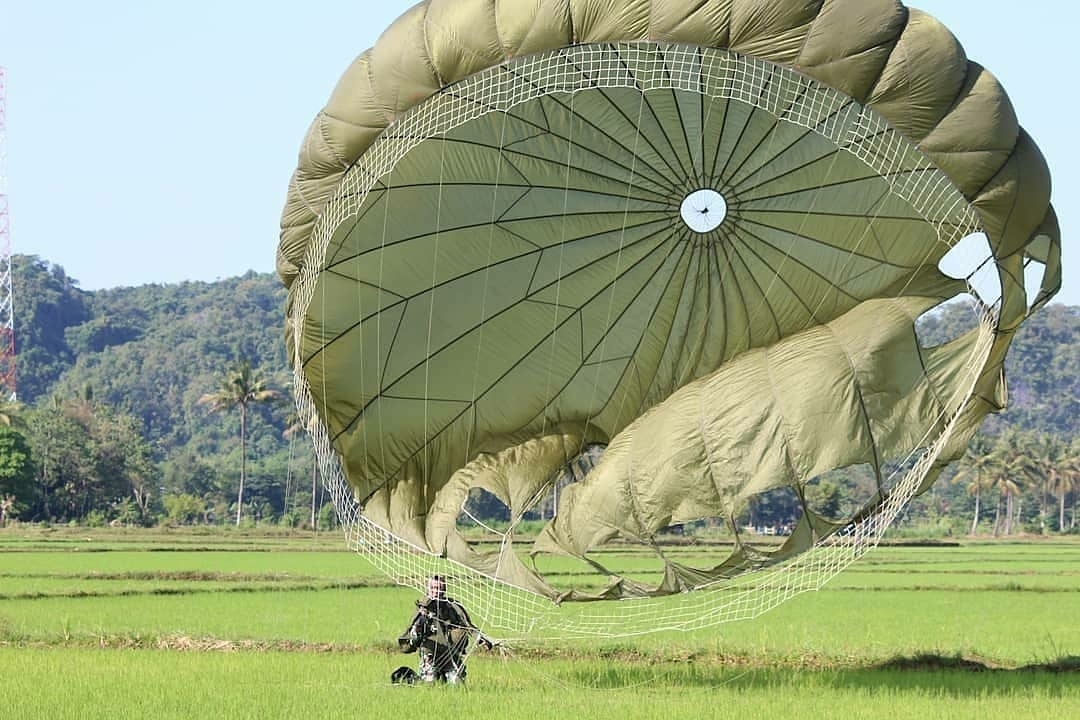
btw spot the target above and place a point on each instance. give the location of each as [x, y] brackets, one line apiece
[695, 80]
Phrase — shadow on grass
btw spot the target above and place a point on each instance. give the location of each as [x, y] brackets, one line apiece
[936, 663]
[928, 673]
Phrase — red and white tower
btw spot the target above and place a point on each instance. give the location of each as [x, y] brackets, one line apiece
[7, 312]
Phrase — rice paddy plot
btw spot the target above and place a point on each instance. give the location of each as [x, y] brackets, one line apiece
[300, 625]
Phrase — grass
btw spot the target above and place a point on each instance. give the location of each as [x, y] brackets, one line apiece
[126, 624]
[147, 683]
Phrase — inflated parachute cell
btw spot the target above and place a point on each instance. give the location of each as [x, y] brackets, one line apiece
[634, 264]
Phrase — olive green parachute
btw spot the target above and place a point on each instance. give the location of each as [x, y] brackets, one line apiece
[664, 258]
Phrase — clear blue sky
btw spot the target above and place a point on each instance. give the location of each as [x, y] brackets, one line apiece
[153, 142]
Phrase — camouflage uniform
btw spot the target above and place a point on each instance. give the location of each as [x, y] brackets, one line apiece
[440, 630]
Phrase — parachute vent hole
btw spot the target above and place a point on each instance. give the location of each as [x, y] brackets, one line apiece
[972, 260]
[703, 210]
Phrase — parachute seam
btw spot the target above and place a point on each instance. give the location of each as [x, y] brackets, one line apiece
[381, 111]
[325, 136]
[693, 264]
[685, 258]
[813, 313]
[483, 294]
[771, 136]
[856, 385]
[823, 242]
[783, 424]
[533, 247]
[810, 27]
[618, 256]
[726, 247]
[710, 455]
[637, 345]
[558, 282]
[983, 190]
[742, 188]
[305, 203]
[720, 273]
[742, 131]
[737, 254]
[680, 171]
[660, 176]
[682, 21]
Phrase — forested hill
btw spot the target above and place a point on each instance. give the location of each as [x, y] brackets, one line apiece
[153, 350]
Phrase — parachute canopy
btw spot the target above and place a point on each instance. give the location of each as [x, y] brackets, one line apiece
[662, 258]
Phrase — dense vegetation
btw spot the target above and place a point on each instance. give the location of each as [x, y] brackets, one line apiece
[110, 384]
[125, 415]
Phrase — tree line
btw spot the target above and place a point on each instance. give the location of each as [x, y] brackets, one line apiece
[81, 461]
[999, 475]
[170, 404]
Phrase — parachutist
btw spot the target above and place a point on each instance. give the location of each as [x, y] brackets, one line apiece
[440, 630]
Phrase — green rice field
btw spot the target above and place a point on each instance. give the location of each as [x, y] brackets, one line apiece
[174, 624]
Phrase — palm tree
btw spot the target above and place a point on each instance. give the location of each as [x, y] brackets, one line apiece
[1014, 468]
[977, 473]
[1059, 464]
[241, 387]
[1066, 481]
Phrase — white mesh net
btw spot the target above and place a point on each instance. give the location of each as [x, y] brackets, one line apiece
[511, 612]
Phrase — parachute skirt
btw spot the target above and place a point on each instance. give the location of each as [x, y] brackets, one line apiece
[507, 278]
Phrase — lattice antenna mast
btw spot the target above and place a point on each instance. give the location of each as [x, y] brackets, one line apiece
[7, 312]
